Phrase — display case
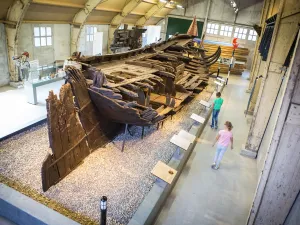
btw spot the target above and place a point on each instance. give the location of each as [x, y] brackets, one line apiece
[43, 73]
[38, 75]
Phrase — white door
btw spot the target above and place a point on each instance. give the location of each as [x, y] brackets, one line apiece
[98, 42]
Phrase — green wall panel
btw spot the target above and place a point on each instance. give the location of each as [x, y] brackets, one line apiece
[181, 26]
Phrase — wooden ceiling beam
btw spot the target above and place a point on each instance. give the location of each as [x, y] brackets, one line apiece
[151, 13]
[80, 18]
[81, 6]
[58, 3]
[154, 2]
[47, 22]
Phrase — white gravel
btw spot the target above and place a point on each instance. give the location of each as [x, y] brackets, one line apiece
[124, 178]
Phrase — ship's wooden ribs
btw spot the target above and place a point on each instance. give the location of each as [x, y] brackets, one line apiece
[89, 115]
[115, 77]
[184, 79]
[213, 55]
[132, 87]
[135, 105]
[174, 52]
[144, 85]
[128, 92]
[166, 57]
[191, 81]
[156, 79]
[165, 74]
[132, 80]
[144, 64]
[194, 85]
[154, 63]
[177, 48]
[150, 82]
[107, 92]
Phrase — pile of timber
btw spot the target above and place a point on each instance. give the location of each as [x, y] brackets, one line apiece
[240, 55]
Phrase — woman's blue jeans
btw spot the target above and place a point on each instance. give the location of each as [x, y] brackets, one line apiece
[219, 154]
[215, 115]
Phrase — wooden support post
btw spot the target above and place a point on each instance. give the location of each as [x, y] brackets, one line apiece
[143, 129]
[125, 133]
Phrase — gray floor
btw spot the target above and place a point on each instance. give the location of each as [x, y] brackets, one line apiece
[204, 196]
[16, 113]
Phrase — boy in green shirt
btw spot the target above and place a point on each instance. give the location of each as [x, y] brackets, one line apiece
[216, 109]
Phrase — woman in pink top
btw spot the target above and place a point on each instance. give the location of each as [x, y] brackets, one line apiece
[224, 138]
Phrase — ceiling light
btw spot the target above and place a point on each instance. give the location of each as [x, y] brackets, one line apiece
[163, 1]
[179, 7]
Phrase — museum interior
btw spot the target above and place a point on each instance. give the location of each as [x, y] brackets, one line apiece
[156, 112]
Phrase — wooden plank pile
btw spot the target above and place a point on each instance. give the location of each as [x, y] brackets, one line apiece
[240, 55]
[124, 38]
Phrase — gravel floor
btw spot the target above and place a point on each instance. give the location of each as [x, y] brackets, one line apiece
[124, 178]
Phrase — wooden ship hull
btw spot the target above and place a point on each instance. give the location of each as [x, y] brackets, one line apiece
[141, 87]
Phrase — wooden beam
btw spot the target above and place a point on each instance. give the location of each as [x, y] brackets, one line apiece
[47, 22]
[8, 22]
[80, 18]
[100, 8]
[151, 13]
[58, 3]
[154, 2]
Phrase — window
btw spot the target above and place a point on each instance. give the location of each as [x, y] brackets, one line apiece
[212, 28]
[240, 32]
[90, 31]
[252, 35]
[42, 36]
[226, 30]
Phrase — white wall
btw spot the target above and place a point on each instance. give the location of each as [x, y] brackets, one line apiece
[250, 15]
[163, 31]
[220, 10]
[59, 50]
[62, 43]
[4, 75]
[152, 34]
[86, 47]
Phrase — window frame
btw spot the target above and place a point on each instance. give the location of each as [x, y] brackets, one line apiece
[42, 36]
[241, 33]
[213, 28]
[252, 35]
[226, 30]
[90, 32]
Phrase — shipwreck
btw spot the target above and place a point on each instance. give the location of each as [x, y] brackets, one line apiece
[141, 87]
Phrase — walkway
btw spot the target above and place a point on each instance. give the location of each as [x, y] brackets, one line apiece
[203, 196]
[16, 113]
